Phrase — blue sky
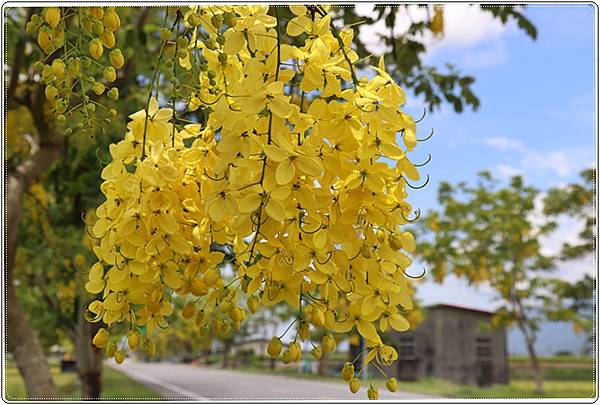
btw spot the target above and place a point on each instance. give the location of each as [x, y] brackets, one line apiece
[536, 119]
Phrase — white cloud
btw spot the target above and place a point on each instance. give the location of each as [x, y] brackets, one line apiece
[504, 144]
[567, 231]
[466, 27]
[561, 163]
[506, 171]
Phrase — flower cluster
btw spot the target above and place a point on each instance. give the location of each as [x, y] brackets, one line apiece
[296, 179]
[73, 71]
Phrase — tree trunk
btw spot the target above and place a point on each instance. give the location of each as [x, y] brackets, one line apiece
[535, 364]
[22, 340]
[88, 356]
[322, 370]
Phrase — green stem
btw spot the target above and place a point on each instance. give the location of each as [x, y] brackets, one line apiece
[336, 34]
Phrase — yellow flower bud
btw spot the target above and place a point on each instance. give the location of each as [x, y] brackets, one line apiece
[116, 58]
[101, 338]
[295, 351]
[109, 74]
[317, 352]
[97, 12]
[74, 66]
[274, 347]
[44, 40]
[252, 303]
[391, 384]
[348, 371]
[133, 339]
[111, 349]
[286, 357]
[354, 385]
[235, 314]
[373, 393]
[113, 94]
[111, 21]
[198, 287]
[96, 48]
[188, 310]
[120, 356]
[108, 39]
[98, 88]
[328, 343]
[304, 331]
[52, 16]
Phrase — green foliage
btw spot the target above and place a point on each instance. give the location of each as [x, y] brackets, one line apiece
[116, 385]
[577, 201]
[408, 47]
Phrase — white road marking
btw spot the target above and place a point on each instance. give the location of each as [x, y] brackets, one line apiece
[167, 385]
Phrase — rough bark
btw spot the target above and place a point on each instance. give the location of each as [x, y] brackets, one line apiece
[89, 357]
[535, 364]
[22, 339]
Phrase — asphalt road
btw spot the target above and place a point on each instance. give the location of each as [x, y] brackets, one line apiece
[186, 382]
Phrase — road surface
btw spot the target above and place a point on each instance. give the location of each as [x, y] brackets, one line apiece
[186, 382]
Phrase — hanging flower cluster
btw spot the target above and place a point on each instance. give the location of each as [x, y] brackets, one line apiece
[296, 178]
[74, 71]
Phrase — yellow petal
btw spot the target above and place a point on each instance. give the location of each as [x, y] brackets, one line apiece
[280, 106]
[298, 25]
[399, 323]
[234, 43]
[96, 272]
[275, 154]
[367, 330]
[94, 286]
[172, 277]
[285, 172]
[275, 210]
[250, 203]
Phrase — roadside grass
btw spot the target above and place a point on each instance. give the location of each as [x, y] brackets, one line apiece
[116, 385]
[582, 360]
[518, 388]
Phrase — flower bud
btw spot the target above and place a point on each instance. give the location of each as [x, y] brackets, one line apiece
[252, 303]
[286, 357]
[348, 371]
[98, 88]
[101, 338]
[119, 356]
[274, 347]
[188, 310]
[317, 352]
[111, 349]
[391, 384]
[328, 343]
[109, 74]
[113, 94]
[96, 48]
[111, 21]
[52, 16]
[373, 393]
[354, 385]
[133, 339]
[116, 58]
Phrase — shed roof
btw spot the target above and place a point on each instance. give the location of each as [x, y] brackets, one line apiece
[459, 308]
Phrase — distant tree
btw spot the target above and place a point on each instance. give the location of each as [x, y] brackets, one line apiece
[577, 201]
[577, 298]
[408, 47]
[483, 234]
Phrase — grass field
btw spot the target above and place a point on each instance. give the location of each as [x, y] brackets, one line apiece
[116, 386]
[518, 388]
